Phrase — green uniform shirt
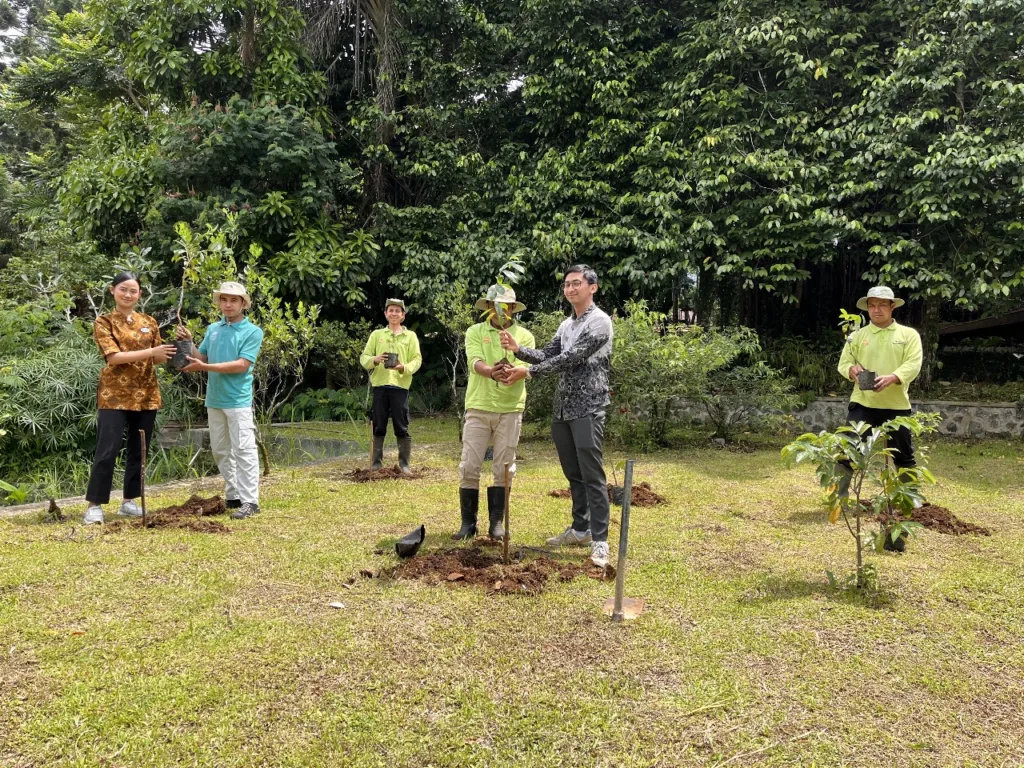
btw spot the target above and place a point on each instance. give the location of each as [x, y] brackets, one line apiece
[484, 394]
[896, 349]
[405, 344]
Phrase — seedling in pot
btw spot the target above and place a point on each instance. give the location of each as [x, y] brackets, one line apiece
[850, 323]
[205, 259]
[508, 274]
[187, 254]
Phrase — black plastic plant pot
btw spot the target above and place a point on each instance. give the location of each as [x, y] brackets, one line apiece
[866, 380]
[183, 348]
[409, 545]
[894, 546]
[391, 361]
[617, 494]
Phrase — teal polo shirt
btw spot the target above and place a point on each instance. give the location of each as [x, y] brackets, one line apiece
[225, 342]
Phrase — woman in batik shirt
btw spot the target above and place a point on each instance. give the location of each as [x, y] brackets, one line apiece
[128, 395]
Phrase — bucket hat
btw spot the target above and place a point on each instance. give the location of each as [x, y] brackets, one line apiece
[231, 288]
[501, 294]
[880, 292]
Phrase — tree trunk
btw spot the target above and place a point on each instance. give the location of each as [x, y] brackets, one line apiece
[706, 298]
[387, 63]
[930, 341]
[247, 39]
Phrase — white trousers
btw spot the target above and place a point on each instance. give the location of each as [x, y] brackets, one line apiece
[233, 443]
[483, 428]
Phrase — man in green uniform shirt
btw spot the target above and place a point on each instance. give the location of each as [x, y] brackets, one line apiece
[894, 353]
[392, 355]
[494, 412]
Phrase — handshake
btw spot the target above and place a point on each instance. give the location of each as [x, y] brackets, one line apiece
[503, 371]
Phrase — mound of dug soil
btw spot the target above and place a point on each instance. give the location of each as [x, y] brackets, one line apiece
[940, 519]
[384, 473]
[643, 495]
[473, 566]
[193, 515]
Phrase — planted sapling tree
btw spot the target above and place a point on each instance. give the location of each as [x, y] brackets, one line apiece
[877, 488]
[616, 492]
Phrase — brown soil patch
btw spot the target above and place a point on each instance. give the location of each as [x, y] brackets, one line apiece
[384, 473]
[940, 519]
[643, 495]
[191, 516]
[473, 566]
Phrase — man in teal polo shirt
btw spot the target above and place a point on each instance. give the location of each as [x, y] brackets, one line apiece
[894, 353]
[228, 352]
[494, 411]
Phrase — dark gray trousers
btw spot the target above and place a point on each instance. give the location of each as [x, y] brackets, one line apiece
[579, 444]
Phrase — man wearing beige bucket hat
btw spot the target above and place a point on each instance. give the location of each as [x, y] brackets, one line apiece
[882, 358]
[494, 410]
[227, 353]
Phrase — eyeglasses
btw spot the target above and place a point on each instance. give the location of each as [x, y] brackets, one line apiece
[574, 283]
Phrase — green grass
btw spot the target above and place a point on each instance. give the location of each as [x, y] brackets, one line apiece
[159, 648]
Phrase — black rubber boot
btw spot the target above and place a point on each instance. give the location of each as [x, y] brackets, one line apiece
[496, 512]
[404, 450]
[378, 452]
[469, 502]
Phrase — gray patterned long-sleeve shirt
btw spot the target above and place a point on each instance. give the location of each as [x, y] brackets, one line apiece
[581, 353]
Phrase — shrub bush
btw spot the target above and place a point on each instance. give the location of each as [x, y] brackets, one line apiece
[326, 405]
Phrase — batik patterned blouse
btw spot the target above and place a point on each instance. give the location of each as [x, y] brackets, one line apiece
[129, 386]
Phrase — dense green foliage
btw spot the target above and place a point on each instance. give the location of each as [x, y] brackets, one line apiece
[742, 145]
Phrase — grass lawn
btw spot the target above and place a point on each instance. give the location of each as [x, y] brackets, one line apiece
[165, 648]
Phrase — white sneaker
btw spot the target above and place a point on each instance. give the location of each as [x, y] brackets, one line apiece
[570, 538]
[599, 554]
[129, 509]
[93, 515]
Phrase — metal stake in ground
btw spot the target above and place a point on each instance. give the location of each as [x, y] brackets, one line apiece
[620, 607]
[504, 548]
[142, 482]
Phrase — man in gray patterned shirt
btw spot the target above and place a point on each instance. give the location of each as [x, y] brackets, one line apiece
[581, 354]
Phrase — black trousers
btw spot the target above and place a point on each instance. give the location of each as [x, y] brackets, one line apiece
[393, 403]
[111, 428]
[901, 440]
[580, 444]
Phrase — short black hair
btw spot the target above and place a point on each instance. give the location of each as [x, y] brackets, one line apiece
[588, 272]
[124, 277]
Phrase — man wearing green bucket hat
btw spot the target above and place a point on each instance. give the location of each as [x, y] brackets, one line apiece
[882, 358]
[494, 410]
[392, 356]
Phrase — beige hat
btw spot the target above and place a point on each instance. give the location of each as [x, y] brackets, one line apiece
[231, 288]
[880, 292]
[503, 295]
[394, 303]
